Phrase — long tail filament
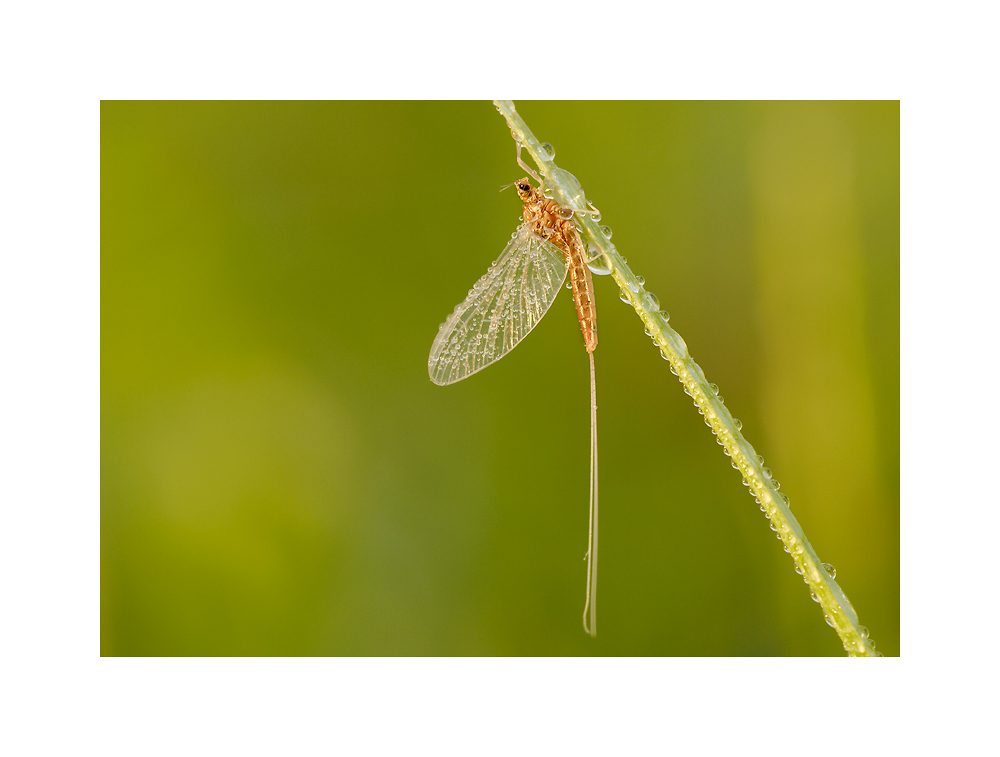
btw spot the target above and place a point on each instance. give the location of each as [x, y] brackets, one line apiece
[590, 608]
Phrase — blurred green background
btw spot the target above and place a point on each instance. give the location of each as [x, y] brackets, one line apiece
[280, 477]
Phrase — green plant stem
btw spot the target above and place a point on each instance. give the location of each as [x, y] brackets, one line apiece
[566, 190]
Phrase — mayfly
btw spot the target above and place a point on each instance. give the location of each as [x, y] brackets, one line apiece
[507, 303]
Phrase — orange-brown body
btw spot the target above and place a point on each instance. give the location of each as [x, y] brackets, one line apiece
[544, 218]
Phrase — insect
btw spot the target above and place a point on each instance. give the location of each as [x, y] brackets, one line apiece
[507, 303]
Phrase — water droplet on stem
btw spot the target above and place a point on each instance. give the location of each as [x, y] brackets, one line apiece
[598, 266]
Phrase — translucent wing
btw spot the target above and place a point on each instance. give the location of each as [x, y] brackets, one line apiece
[502, 307]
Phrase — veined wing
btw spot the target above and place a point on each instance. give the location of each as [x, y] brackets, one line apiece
[502, 307]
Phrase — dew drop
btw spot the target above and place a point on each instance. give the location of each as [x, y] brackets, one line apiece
[829, 620]
[650, 302]
[569, 284]
[574, 194]
[547, 193]
[546, 151]
[623, 296]
[606, 231]
[714, 388]
[641, 280]
[738, 423]
[786, 500]
[814, 597]
[863, 632]
[765, 471]
[598, 266]
[832, 571]
[664, 353]
[664, 316]
[760, 461]
[565, 213]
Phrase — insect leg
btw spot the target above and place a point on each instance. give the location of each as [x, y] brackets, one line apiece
[526, 167]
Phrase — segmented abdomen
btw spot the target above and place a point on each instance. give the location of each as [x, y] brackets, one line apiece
[547, 223]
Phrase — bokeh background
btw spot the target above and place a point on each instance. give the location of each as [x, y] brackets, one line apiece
[280, 477]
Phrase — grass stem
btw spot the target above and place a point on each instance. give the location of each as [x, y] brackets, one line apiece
[837, 610]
